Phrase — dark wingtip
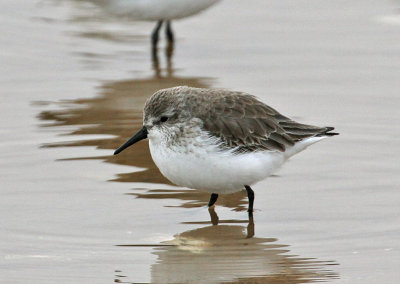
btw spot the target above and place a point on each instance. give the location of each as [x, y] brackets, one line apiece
[328, 133]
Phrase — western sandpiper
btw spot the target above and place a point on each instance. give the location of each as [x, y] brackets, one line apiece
[219, 141]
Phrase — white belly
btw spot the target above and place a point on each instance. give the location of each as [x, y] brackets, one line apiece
[208, 168]
[153, 10]
[212, 170]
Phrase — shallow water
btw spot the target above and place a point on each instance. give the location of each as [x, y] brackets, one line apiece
[73, 83]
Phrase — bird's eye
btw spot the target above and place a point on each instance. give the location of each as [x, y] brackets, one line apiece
[163, 119]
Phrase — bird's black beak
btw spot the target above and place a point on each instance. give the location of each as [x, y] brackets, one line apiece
[140, 135]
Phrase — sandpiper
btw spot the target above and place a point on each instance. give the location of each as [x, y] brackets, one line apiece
[218, 140]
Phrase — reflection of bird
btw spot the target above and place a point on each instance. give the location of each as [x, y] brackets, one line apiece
[227, 253]
[155, 10]
[219, 141]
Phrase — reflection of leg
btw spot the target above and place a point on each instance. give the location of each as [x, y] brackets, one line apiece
[250, 195]
[250, 226]
[169, 51]
[156, 62]
[169, 33]
[213, 198]
[154, 35]
[213, 216]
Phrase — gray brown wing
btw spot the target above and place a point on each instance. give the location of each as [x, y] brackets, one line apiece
[243, 122]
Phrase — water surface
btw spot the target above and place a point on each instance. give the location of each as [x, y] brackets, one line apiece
[73, 84]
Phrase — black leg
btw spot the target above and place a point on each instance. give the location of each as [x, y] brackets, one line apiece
[213, 198]
[168, 32]
[250, 195]
[154, 35]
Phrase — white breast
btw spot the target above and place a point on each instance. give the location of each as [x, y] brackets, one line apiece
[153, 10]
[207, 168]
[200, 164]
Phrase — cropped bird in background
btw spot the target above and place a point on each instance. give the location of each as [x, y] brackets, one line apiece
[161, 11]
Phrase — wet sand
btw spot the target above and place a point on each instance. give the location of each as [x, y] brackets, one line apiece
[73, 84]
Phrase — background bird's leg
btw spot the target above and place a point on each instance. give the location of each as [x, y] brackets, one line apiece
[154, 35]
[250, 195]
[213, 198]
[169, 51]
[169, 33]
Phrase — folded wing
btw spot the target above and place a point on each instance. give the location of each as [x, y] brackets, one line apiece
[246, 124]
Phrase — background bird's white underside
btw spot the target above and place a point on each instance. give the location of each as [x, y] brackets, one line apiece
[154, 10]
[210, 169]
